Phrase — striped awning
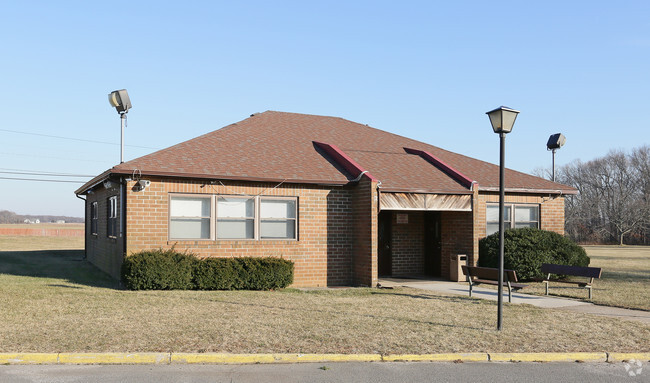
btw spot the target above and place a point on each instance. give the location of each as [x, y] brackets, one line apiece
[418, 201]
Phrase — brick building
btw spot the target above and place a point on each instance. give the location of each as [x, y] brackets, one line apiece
[346, 202]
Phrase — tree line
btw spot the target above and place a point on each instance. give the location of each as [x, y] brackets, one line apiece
[613, 204]
[7, 216]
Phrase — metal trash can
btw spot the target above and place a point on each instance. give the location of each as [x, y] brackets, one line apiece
[455, 270]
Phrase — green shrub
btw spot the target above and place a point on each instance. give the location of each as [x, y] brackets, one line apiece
[168, 269]
[265, 273]
[217, 274]
[158, 270]
[526, 249]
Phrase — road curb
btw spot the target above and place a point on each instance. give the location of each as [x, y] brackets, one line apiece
[224, 358]
[454, 357]
[548, 357]
[627, 356]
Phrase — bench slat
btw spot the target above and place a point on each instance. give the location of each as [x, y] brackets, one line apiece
[489, 273]
[577, 271]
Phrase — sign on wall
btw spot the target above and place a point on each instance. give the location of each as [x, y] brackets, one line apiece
[402, 218]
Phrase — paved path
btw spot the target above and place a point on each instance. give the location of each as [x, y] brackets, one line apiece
[461, 288]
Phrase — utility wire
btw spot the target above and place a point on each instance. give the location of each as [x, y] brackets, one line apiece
[36, 171]
[40, 180]
[74, 139]
[51, 157]
[49, 174]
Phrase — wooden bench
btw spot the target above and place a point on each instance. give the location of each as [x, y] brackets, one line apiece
[476, 275]
[574, 271]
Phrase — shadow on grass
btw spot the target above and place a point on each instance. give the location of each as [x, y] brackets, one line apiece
[382, 315]
[66, 265]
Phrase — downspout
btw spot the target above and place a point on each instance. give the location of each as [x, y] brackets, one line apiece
[85, 225]
[359, 176]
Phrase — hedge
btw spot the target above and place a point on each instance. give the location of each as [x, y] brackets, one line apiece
[526, 249]
[169, 269]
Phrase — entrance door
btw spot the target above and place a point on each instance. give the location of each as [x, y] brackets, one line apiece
[384, 253]
[432, 244]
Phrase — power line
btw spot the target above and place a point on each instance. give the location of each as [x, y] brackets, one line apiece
[40, 180]
[29, 170]
[49, 174]
[75, 139]
[51, 157]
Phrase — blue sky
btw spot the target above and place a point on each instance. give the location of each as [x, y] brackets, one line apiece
[422, 69]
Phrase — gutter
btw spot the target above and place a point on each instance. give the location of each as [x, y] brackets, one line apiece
[529, 191]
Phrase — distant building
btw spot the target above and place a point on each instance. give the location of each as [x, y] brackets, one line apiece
[60, 221]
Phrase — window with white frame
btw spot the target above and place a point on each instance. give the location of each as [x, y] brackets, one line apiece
[235, 217]
[277, 218]
[93, 218]
[227, 217]
[190, 217]
[112, 221]
[514, 216]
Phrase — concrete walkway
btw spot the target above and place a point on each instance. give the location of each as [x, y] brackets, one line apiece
[461, 288]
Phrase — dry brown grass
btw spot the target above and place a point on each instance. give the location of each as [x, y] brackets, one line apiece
[52, 302]
[625, 281]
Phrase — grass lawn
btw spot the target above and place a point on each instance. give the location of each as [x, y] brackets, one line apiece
[53, 301]
[625, 281]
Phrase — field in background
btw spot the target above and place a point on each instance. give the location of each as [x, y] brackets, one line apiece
[625, 281]
[54, 301]
[43, 230]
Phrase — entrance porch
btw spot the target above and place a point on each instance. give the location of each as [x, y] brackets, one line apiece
[418, 241]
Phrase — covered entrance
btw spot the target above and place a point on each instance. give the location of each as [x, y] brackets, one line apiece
[418, 232]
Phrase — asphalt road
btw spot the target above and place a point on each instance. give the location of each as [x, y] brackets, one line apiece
[330, 372]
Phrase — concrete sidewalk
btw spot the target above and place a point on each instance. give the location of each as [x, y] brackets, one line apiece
[461, 288]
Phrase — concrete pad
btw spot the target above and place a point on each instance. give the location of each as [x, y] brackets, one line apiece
[462, 288]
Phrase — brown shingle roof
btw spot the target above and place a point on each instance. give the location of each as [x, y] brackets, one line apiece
[278, 146]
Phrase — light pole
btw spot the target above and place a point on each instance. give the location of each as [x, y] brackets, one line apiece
[119, 99]
[502, 120]
[555, 141]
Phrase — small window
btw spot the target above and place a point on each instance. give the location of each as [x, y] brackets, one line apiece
[112, 217]
[93, 218]
[526, 216]
[190, 217]
[277, 218]
[235, 218]
[514, 216]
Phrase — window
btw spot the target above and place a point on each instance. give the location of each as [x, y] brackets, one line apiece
[277, 218]
[93, 218]
[112, 217]
[225, 217]
[235, 218]
[190, 217]
[514, 216]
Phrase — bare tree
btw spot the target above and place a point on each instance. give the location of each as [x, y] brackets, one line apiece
[614, 196]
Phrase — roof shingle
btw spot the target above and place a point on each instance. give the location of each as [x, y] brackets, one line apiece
[279, 146]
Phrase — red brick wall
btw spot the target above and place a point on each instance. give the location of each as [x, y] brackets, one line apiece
[408, 244]
[321, 253]
[457, 237]
[104, 252]
[364, 230]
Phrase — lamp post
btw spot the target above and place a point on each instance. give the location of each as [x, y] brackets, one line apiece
[555, 141]
[119, 99]
[502, 120]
